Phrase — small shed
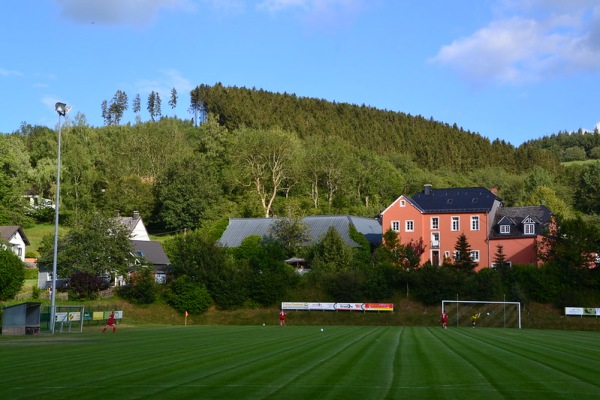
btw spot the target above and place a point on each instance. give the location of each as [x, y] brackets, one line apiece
[21, 319]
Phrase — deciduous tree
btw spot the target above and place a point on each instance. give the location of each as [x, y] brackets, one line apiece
[264, 160]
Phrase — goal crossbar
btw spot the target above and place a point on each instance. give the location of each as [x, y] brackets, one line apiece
[457, 302]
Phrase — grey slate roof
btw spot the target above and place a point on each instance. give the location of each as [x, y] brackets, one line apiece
[241, 228]
[476, 199]
[7, 232]
[514, 216]
[129, 222]
[151, 251]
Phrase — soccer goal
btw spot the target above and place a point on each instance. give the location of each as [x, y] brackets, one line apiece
[491, 314]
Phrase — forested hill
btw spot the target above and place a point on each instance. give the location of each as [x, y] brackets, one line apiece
[430, 144]
[574, 146]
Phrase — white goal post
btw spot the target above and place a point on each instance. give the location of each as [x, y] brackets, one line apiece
[505, 314]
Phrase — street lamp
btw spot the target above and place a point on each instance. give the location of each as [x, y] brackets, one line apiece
[62, 109]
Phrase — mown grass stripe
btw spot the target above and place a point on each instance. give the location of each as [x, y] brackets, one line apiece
[255, 362]
[523, 369]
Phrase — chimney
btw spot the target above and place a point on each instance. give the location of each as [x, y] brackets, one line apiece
[427, 189]
[136, 214]
[494, 190]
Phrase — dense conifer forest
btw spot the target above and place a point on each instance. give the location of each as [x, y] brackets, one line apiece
[248, 152]
[251, 153]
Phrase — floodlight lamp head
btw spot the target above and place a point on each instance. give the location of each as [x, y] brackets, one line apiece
[62, 108]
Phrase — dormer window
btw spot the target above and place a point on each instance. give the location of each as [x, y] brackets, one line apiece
[529, 229]
[505, 229]
[529, 226]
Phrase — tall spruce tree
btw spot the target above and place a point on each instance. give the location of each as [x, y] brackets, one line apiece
[463, 260]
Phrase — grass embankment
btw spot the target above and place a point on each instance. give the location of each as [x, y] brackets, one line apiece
[36, 233]
[406, 313]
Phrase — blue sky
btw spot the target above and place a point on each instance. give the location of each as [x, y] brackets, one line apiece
[508, 69]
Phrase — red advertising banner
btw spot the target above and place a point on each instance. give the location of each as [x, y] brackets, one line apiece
[298, 305]
[379, 307]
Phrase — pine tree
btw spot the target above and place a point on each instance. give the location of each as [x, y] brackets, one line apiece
[500, 257]
[173, 99]
[462, 259]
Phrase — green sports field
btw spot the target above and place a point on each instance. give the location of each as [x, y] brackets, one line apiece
[270, 362]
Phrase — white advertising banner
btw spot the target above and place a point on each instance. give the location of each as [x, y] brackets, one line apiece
[75, 316]
[299, 305]
[349, 306]
[61, 317]
[321, 306]
[582, 311]
[294, 305]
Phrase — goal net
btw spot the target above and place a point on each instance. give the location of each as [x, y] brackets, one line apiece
[489, 314]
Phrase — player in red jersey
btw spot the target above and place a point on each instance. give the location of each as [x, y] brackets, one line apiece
[282, 316]
[110, 323]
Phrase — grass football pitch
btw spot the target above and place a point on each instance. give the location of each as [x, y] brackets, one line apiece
[302, 362]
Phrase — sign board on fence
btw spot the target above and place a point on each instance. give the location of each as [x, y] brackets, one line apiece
[379, 307]
[75, 316]
[61, 317]
[290, 305]
[582, 311]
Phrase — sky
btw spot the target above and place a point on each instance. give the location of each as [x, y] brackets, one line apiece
[513, 70]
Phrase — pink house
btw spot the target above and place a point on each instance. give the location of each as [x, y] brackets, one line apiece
[440, 216]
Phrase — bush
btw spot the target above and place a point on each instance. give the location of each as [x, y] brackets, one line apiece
[84, 285]
[185, 295]
[12, 275]
[432, 284]
[35, 292]
[344, 286]
[140, 288]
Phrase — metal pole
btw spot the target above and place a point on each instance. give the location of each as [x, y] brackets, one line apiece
[55, 257]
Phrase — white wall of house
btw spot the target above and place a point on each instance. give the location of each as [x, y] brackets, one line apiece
[139, 231]
[17, 245]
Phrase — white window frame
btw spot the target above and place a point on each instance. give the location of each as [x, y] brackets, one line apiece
[395, 226]
[409, 225]
[402, 203]
[505, 229]
[435, 239]
[474, 222]
[529, 229]
[455, 224]
[474, 255]
[435, 223]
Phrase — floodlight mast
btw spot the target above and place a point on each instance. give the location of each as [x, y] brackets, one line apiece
[62, 109]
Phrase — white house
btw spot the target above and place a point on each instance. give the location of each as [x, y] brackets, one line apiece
[136, 226]
[14, 239]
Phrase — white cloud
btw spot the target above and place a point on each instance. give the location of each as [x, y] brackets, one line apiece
[539, 39]
[118, 12]
[8, 72]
